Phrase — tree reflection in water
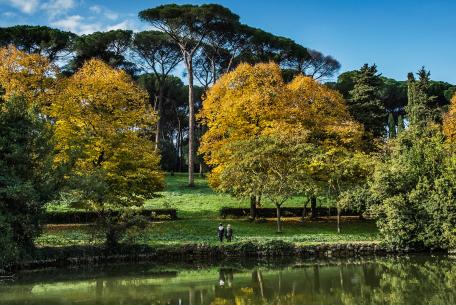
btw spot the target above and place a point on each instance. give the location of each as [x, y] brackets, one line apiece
[405, 281]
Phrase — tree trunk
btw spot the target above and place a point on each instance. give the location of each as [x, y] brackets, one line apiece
[253, 210]
[313, 207]
[181, 155]
[279, 223]
[201, 171]
[159, 112]
[214, 76]
[338, 219]
[304, 210]
[191, 122]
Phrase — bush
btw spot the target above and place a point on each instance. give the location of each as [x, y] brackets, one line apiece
[27, 176]
[82, 216]
[413, 191]
[8, 248]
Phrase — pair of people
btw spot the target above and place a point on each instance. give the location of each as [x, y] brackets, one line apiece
[227, 233]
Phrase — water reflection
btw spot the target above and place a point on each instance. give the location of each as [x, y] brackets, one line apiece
[416, 280]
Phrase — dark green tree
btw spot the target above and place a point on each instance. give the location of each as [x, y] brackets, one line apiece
[157, 53]
[27, 179]
[43, 40]
[400, 124]
[110, 47]
[419, 107]
[365, 104]
[391, 126]
[413, 189]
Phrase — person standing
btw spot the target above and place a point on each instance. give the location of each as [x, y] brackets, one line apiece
[229, 233]
[220, 232]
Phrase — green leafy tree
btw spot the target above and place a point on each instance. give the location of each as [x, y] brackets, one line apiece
[27, 176]
[365, 104]
[272, 166]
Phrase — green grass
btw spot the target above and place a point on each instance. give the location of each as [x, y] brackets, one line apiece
[202, 201]
[198, 209]
[204, 231]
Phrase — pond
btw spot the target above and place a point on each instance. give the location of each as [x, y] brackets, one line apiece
[405, 280]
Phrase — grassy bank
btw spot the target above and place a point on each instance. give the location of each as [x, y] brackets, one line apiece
[198, 210]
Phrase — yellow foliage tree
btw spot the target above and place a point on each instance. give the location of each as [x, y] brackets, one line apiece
[31, 76]
[101, 122]
[252, 104]
[449, 121]
[254, 100]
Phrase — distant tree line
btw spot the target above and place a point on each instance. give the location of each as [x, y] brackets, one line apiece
[380, 103]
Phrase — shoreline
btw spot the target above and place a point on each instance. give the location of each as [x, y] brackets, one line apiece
[73, 256]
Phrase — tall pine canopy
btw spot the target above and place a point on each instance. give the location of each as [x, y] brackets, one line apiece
[419, 108]
[365, 104]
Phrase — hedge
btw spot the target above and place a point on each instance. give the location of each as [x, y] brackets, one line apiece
[69, 217]
[285, 212]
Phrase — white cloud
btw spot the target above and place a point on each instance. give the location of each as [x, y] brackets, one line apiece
[77, 24]
[9, 14]
[100, 10]
[25, 6]
[124, 25]
[111, 15]
[96, 9]
[57, 7]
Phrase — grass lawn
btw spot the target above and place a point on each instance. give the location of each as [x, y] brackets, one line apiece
[202, 201]
[198, 210]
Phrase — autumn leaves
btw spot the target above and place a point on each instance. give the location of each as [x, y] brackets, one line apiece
[277, 140]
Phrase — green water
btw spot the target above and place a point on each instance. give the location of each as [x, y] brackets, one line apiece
[405, 281]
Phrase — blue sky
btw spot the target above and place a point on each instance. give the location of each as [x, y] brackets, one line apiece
[399, 36]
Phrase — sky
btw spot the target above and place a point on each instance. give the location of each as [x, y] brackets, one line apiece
[399, 36]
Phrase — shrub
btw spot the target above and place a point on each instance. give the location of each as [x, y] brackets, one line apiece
[413, 191]
[27, 178]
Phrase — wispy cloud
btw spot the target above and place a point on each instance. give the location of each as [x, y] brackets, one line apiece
[101, 10]
[124, 25]
[55, 8]
[25, 6]
[76, 16]
[77, 24]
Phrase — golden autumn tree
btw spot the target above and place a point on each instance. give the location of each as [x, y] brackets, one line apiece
[303, 127]
[449, 121]
[30, 76]
[102, 119]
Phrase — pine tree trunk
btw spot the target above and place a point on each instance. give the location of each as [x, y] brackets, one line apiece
[313, 207]
[338, 219]
[181, 154]
[279, 221]
[253, 210]
[304, 210]
[191, 122]
[159, 112]
[201, 171]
